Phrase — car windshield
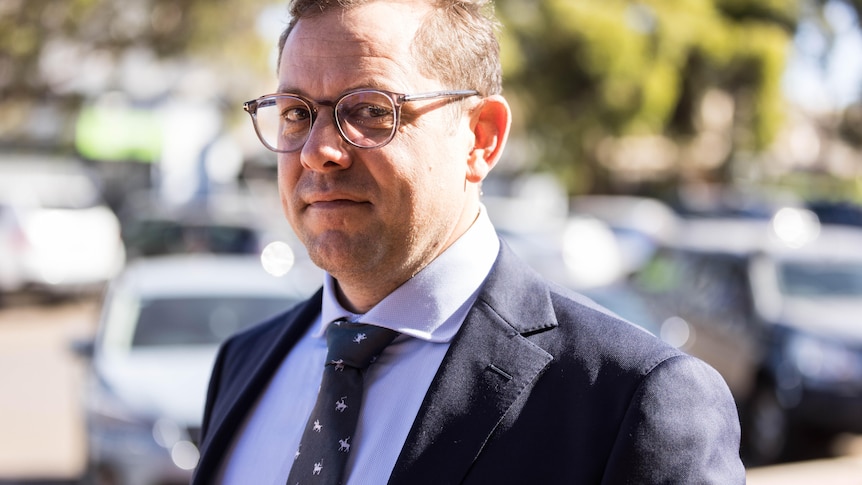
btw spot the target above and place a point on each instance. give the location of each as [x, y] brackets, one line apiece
[817, 279]
[160, 237]
[199, 320]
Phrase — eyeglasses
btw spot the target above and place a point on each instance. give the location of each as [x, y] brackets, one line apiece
[367, 118]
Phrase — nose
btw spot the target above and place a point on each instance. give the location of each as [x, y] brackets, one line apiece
[325, 149]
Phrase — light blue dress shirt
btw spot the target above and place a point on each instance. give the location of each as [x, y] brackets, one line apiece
[427, 310]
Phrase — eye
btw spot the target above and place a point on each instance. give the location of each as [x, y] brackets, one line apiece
[295, 114]
[365, 110]
[294, 117]
[372, 111]
[368, 115]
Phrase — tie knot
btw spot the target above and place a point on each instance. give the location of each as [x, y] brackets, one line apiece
[356, 345]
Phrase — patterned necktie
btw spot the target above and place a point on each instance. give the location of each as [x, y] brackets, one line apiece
[326, 444]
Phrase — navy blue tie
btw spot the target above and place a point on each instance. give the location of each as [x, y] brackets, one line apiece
[326, 440]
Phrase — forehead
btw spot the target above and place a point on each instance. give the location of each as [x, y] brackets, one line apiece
[340, 49]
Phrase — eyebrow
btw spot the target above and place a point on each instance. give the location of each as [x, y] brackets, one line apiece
[282, 89]
[287, 90]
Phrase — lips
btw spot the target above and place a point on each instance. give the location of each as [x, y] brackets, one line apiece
[334, 204]
[331, 202]
[332, 197]
[314, 191]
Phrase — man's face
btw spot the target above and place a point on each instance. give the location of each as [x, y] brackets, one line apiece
[373, 215]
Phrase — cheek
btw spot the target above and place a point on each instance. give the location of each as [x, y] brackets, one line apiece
[437, 190]
[438, 157]
[287, 178]
[446, 171]
[289, 169]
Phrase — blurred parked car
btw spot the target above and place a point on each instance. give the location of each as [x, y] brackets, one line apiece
[775, 307]
[56, 234]
[833, 212]
[579, 252]
[628, 304]
[639, 224]
[218, 224]
[161, 322]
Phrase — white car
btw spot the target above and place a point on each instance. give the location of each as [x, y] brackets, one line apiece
[56, 234]
[161, 323]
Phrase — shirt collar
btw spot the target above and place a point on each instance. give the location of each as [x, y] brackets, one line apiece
[432, 305]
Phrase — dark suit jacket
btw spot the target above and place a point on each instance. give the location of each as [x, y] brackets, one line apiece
[538, 387]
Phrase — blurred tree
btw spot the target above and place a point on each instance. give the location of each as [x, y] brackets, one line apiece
[856, 4]
[54, 54]
[851, 124]
[610, 95]
[655, 89]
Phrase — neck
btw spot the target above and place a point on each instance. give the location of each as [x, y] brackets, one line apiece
[360, 293]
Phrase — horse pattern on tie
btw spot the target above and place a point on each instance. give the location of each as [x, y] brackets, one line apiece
[325, 445]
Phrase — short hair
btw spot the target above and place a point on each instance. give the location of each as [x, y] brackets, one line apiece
[456, 43]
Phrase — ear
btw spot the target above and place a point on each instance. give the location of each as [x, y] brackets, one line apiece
[490, 122]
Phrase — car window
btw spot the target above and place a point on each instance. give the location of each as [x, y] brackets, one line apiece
[120, 317]
[817, 279]
[708, 287]
[721, 290]
[661, 275]
[160, 237]
[191, 321]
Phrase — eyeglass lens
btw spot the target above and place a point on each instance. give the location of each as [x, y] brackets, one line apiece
[366, 119]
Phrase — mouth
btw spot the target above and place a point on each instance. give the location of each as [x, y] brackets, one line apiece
[333, 192]
[334, 204]
[334, 201]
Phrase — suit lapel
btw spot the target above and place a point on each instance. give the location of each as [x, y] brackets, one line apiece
[270, 349]
[489, 365]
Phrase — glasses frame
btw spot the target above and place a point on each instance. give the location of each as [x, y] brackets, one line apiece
[397, 99]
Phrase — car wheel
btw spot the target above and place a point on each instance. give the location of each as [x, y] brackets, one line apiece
[811, 443]
[766, 430]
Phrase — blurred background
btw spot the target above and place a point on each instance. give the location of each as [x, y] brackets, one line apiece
[694, 166]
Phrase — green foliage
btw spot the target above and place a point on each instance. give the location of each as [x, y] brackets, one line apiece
[578, 72]
[781, 12]
[589, 70]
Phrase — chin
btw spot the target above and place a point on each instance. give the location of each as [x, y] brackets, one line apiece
[342, 255]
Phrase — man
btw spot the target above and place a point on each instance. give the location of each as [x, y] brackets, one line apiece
[496, 375]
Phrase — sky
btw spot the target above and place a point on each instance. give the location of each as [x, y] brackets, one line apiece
[824, 76]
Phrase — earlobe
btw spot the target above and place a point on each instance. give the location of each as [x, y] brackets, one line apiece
[490, 124]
